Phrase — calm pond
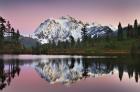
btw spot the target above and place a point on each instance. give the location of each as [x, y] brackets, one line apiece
[63, 73]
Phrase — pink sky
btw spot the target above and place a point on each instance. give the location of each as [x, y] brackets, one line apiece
[27, 16]
[106, 83]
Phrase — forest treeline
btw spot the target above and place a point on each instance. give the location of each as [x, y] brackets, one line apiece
[9, 38]
[122, 41]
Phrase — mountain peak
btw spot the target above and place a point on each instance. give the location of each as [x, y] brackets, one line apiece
[66, 17]
[62, 28]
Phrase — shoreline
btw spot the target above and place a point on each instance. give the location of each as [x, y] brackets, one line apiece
[72, 53]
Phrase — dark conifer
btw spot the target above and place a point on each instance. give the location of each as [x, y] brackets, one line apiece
[17, 36]
[136, 28]
[72, 41]
[120, 32]
[84, 34]
[2, 28]
[128, 31]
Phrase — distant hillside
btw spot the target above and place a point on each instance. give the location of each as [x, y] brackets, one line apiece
[28, 42]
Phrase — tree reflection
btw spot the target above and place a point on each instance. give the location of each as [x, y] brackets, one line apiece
[8, 72]
[71, 70]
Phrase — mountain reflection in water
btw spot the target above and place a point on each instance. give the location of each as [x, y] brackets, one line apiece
[68, 70]
[74, 69]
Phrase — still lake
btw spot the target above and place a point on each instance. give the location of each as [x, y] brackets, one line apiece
[64, 73]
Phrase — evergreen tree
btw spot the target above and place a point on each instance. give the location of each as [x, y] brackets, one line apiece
[136, 28]
[8, 26]
[67, 44]
[128, 31]
[84, 33]
[59, 44]
[108, 34]
[17, 36]
[72, 41]
[139, 30]
[131, 31]
[78, 43]
[120, 32]
[2, 28]
[2, 20]
[13, 35]
[53, 43]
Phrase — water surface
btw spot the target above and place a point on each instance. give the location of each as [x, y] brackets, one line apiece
[60, 73]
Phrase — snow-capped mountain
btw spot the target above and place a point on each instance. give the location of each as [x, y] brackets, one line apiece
[61, 29]
[97, 30]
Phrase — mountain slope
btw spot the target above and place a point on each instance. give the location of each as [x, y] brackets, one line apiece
[61, 29]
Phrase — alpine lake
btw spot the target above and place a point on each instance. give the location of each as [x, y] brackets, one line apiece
[69, 73]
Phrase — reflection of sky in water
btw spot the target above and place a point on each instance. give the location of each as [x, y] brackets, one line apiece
[32, 57]
[101, 77]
